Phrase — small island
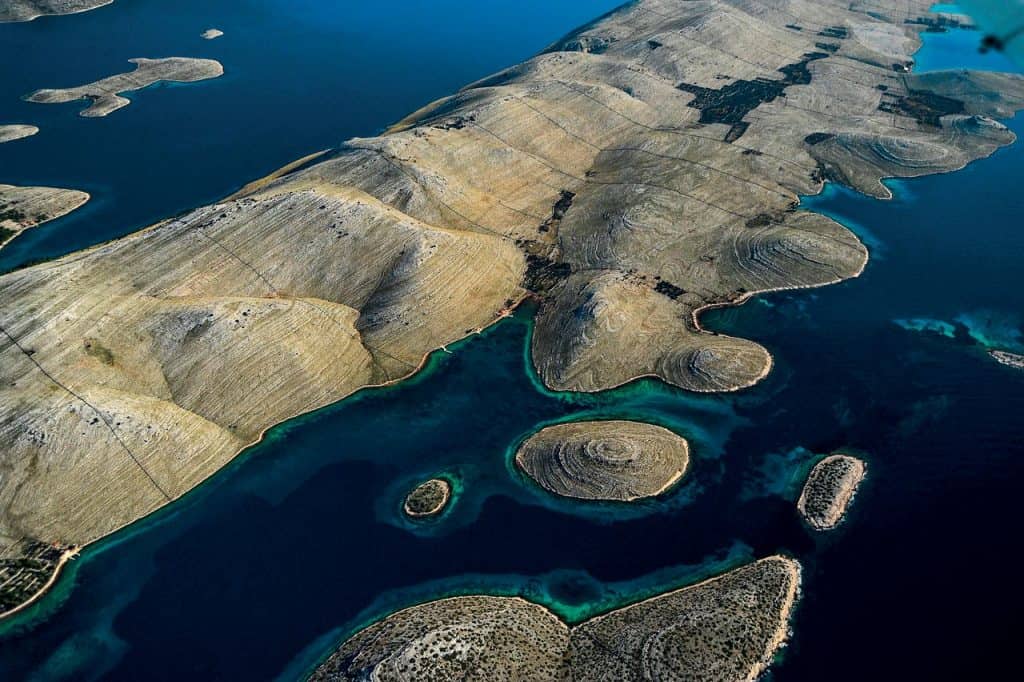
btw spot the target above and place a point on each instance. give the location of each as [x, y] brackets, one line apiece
[724, 629]
[16, 131]
[27, 10]
[25, 207]
[829, 489]
[1015, 360]
[604, 460]
[105, 94]
[428, 498]
[211, 33]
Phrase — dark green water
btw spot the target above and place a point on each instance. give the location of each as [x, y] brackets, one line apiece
[260, 572]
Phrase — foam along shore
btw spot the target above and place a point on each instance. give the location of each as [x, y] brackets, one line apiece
[25, 207]
[105, 94]
[16, 131]
[829, 489]
[27, 10]
[212, 33]
[724, 629]
[604, 460]
[642, 169]
[428, 498]
[1007, 358]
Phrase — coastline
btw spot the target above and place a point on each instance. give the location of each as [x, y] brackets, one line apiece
[66, 556]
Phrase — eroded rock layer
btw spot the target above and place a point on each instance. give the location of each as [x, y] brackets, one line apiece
[604, 460]
[642, 169]
[105, 94]
[829, 489]
[722, 630]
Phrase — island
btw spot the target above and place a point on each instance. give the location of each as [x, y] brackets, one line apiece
[428, 498]
[724, 629]
[829, 489]
[16, 131]
[25, 207]
[27, 10]
[641, 170]
[1015, 360]
[105, 94]
[604, 460]
[211, 33]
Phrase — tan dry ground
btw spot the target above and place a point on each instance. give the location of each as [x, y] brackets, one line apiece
[132, 371]
[721, 630]
[27, 10]
[25, 207]
[104, 94]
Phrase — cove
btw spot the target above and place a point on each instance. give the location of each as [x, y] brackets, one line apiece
[259, 572]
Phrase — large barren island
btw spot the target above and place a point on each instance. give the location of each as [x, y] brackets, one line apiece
[604, 460]
[104, 94]
[722, 630]
[642, 169]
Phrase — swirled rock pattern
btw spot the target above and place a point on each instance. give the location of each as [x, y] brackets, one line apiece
[604, 460]
[104, 94]
[640, 170]
[428, 498]
[722, 630]
[829, 489]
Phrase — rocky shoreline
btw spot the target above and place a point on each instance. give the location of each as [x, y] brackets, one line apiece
[829, 489]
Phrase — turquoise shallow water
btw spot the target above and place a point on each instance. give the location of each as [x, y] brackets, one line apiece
[261, 571]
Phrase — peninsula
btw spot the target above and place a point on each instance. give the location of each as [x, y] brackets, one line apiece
[604, 460]
[27, 10]
[829, 489]
[25, 207]
[724, 629]
[641, 170]
[16, 131]
[428, 498]
[105, 94]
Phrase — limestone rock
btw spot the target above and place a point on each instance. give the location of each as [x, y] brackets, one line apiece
[604, 460]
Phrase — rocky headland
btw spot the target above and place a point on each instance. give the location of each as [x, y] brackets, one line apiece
[641, 170]
[27, 10]
[25, 207]
[724, 629]
[428, 498]
[604, 460]
[105, 94]
[16, 131]
[829, 489]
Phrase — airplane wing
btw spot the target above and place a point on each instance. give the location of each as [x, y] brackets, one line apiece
[1002, 25]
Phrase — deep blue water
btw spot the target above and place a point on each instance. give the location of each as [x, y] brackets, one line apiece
[300, 76]
[261, 571]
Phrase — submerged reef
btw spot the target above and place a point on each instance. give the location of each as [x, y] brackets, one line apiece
[604, 460]
[724, 629]
[584, 177]
[16, 131]
[829, 489]
[25, 207]
[27, 10]
[428, 498]
[104, 94]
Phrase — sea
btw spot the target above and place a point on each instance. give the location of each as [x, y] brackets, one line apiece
[261, 571]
